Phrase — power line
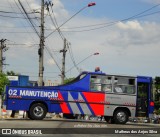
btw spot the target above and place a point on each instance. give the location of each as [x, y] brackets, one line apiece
[103, 25]
[16, 32]
[33, 12]
[72, 57]
[107, 24]
[11, 6]
[15, 27]
[29, 18]
[48, 50]
[1, 11]
[67, 21]
[6, 16]
[54, 22]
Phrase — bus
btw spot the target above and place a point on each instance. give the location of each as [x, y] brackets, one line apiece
[114, 97]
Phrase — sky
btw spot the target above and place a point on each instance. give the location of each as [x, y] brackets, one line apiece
[125, 33]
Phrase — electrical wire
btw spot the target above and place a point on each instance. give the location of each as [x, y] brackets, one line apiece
[15, 27]
[54, 21]
[1, 11]
[107, 24]
[6, 16]
[16, 32]
[24, 16]
[72, 57]
[29, 19]
[48, 50]
[33, 12]
[67, 21]
[111, 23]
[60, 33]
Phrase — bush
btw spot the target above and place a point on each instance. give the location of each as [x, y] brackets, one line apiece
[158, 111]
[157, 107]
[3, 82]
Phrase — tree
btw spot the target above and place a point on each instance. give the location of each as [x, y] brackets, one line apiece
[66, 81]
[12, 73]
[157, 87]
[3, 82]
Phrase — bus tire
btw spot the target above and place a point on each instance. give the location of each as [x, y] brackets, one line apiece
[121, 116]
[37, 111]
[29, 116]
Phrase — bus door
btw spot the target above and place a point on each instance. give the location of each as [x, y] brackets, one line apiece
[143, 96]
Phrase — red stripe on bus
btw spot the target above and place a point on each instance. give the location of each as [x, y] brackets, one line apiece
[63, 105]
[98, 109]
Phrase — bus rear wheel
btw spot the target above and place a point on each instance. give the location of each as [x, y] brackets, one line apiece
[120, 116]
[37, 111]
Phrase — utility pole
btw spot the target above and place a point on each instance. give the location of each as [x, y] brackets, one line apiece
[41, 48]
[64, 50]
[3, 48]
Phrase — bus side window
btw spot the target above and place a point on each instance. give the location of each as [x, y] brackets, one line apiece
[95, 83]
[118, 90]
[107, 88]
[124, 85]
[106, 83]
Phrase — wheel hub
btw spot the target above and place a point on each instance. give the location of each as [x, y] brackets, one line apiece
[121, 116]
[38, 111]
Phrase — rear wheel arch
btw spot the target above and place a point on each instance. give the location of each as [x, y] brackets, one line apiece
[123, 108]
[41, 102]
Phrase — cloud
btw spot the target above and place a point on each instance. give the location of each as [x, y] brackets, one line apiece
[133, 34]
[133, 25]
[50, 62]
[130, 47]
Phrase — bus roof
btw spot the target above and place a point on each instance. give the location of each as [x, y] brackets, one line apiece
[122, 75]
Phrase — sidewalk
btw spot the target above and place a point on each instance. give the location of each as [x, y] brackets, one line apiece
[144, 124]
[142, 121]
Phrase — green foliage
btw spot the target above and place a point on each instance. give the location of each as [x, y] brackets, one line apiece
[157, 80]
[157, 107]
[66, 81]
[158, 111]
[157, 104]
[12, 73]
[3, 82]
[157, 88]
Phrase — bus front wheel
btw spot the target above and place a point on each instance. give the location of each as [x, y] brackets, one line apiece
[37, 111]
[121, 116]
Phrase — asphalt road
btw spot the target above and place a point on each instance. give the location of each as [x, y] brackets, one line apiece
[58, 128]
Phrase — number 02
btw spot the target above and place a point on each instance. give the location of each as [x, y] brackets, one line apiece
[12, 92]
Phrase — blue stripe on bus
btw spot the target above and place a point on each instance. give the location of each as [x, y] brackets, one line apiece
[80, 108]
[87, 103]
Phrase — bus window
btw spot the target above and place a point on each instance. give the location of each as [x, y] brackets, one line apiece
[101, 83]
[95, 87]
[124, 85]
[106, 83]
[107, 88]
[95, 83]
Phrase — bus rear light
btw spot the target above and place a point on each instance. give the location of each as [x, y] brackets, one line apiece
[152, 104]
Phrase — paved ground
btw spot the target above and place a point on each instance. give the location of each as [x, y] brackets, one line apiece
[55, 127]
